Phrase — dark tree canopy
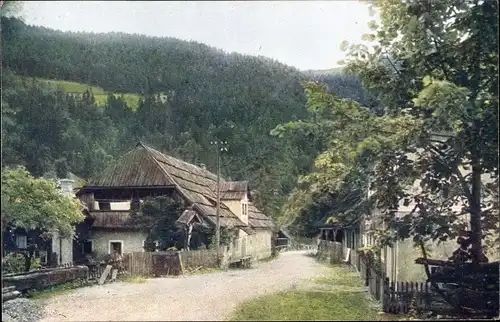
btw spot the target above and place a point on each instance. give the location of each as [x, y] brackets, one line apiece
[210, 95]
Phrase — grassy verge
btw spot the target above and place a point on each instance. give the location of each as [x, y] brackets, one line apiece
[341, 297]
[341, 278]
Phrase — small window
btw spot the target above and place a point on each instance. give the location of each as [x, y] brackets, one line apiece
[244, 209]
[22, 241]
[135, 205]
[104, 206]
[144, 244]
[116, 247]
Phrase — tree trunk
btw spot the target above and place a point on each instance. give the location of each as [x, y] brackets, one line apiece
[188, 236]
[475, 213]
[27, 261]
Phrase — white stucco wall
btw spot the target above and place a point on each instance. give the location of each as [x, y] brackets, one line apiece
[235, 207]
[64, 246]
[132, 241]
[259, 244]
[64, 249]
[124, 205]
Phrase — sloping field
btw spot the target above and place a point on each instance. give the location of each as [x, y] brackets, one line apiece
[100, 95]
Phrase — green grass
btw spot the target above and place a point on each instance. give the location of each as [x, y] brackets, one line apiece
[342, 297]
[73, 87]
[310, 305]
[341, 277]
[100, 95]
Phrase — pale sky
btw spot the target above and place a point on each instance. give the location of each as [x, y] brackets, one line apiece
[303, 34]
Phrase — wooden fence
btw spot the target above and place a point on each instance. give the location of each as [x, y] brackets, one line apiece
[401, 297]
[138, 263]
[396, 298]
[330, 250]
[142, 263]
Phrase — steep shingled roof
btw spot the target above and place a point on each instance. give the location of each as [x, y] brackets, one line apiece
[257, 220]
[233, 190]
[112, 219]
[147, 167]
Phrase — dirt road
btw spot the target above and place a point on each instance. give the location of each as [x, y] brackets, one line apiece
[199, 297]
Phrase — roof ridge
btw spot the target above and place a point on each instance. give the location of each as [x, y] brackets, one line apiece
[150, 152]
[167, 175]
[122, 157]
[178, 186]
[177, 159]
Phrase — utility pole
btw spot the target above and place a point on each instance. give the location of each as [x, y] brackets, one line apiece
[220, 146]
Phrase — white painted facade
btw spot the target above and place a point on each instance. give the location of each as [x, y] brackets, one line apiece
[132, 241]
[257, 245]
[116, 206]
[63, 247]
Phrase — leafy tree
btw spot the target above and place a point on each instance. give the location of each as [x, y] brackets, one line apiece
[36, 203]
[157, 218]
[434, 69]
[11, 8]
[210, 94]
[352, 137]
[444, 56]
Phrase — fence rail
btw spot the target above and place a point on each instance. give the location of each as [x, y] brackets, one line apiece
[171, 262]
[396, 298]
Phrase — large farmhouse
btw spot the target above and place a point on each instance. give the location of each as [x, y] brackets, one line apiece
[145, 172]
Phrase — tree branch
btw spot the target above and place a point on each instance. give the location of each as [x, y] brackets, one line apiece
[457, 172]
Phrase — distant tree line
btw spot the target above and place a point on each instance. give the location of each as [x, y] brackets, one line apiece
[210, 94]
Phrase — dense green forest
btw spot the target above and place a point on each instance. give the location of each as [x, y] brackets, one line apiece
[209, 94]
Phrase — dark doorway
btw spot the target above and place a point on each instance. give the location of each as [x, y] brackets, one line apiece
[339, 236]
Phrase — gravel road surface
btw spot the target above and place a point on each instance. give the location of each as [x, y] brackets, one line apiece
[198, 297]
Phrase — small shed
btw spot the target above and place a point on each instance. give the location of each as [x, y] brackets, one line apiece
[331, 232]
[283, 239]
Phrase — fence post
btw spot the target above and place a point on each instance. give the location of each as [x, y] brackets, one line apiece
[427, 299]
[407, 297]
[385, 296]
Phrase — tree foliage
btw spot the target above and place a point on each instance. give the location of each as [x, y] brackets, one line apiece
[210, 95]
[157, 218]
[11, 8]
[351, 137]
[433, 67]
[37, 203]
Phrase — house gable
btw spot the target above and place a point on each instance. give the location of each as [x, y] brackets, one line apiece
[134, 169]
[145, 167]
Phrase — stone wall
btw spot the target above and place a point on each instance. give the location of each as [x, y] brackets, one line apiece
[331, 251]
[42, 279]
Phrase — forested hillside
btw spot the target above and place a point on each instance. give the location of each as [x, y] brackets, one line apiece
[191, 94]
